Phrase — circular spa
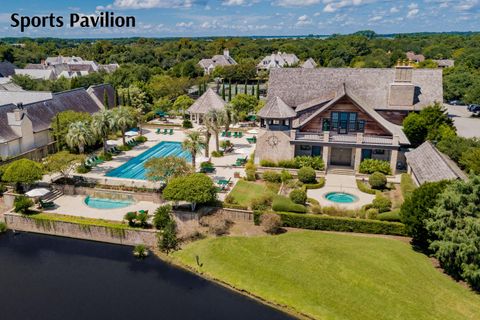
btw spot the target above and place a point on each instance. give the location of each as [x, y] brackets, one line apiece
[107, 203]
[341, 197]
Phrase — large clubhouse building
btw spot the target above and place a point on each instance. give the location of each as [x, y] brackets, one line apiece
[344, 115]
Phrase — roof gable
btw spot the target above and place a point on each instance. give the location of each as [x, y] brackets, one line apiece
[277, 109]
[210, 100]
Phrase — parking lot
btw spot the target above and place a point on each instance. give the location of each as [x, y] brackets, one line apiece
[466, 125]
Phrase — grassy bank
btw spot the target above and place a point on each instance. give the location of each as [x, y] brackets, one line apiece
[335, 276]
[79, 220]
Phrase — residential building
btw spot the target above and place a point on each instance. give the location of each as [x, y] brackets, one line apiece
[210, 100]
[427, 164]
[25, 128]
[7, 69]
[412, 56]
[309, 64]
[37, 74]
[345, 115]
[445, 63]
[278, 60]
[219, 60]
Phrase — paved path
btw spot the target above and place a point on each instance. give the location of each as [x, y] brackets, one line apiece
[340, 183]
[467, 126]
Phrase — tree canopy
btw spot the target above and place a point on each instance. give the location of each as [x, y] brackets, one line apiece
[167, 168]
[23, 171]
[196, 188]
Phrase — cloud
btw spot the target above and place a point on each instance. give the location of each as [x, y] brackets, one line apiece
[394, 9]
[239, 2]
[296, 3]
[375, 18]
[303, 21]
[467, 5]
[412, 10]
[147, 4]
[184, 24]
[334, 5]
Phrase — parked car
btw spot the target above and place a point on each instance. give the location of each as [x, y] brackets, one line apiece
[472, 107]
[456, 103]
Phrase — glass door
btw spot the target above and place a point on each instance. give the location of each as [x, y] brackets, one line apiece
[343, 125]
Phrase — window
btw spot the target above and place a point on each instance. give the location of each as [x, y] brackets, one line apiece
[286, 122]
[326, 125]
[334, 121]
[305, 148]
[361, 125]
[276, 121]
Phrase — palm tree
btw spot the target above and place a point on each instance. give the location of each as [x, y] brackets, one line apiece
[229, 117]
[124, 117]
[194, 143]
[79, 135]
[102, 125]
[215, 118]
[208, 135]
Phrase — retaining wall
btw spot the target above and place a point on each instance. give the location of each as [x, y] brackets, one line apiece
[79, 231]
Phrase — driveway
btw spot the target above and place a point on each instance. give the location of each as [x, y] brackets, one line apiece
[467, 126]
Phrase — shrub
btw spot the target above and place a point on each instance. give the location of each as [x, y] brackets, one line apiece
[289, 164]
[285, 176]
[230, 199]
[140, 251]
[162, 217]
[318, 185]
[407, 185]
[271, 223]
[206, 164]
[281, 203]
[167, 239]
[307, 175]
[316, 222]
[217, 224]
[136, 219]
[217, 154]
[313, 202]
[3, 227]
[105, 156]
[377, 180]
[369, 166]
[371, 213]
[316, 209]
[187, 124]
[267, 163]
[141, 139]
[306, 161]
[393, 215]
[125, 147]
[22, 204]
[382, 203]
[469, 160]
[83, 168]
[23, 171]
[272, 176]
[365, 188]
[261, 203]
[298, 196]
[251, 171]
[196, 188]
[336, 211]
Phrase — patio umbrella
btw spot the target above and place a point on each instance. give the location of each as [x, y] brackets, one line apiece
[253, 131]
[131, 133]
[111, 142]
[38, 192]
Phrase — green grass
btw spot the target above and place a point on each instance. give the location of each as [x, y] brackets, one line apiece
[335, 276]
[79, 220]
[245, 191]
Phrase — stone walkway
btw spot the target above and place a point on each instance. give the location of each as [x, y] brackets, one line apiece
[340, 183]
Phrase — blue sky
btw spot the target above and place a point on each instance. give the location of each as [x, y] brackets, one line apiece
[163, 18]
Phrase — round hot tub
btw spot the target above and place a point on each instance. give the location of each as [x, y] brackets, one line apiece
[341, 197]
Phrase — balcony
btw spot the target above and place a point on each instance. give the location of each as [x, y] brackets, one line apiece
[328, 137]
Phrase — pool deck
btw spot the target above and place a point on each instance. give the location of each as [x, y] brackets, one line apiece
[340, 183]
[75, 206]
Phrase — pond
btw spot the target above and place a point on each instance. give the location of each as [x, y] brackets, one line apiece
[46, 277]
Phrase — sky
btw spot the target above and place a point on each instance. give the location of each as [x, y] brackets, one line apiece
[193, 18]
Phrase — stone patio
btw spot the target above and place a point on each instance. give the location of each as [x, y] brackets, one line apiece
[340, 183]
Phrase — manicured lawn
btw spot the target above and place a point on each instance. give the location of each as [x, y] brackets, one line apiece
[335, 276]
[245, 191]
[79, 220]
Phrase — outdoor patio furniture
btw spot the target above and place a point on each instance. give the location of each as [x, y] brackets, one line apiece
[224, 133]
[158, 131]
[240, 134]
[207, 170]
[165, 131]
[143, 211]
[229, 134]
[47, 204]
[224, 182]
[235, 134]
[171, 132]
[252, 140]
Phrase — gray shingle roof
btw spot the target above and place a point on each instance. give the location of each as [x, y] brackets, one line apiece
[7, 69]
[208, 101]
[309, 64]
[430, 165]
[298, 86]
[98, 91]
[277, 109]
[41, 113]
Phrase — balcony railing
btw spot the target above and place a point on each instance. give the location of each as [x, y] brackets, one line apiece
[344, 138]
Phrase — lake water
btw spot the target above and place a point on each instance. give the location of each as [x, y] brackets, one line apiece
[44, 277]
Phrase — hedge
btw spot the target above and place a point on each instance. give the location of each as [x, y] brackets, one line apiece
[316, 222]
[407, 185]
[393, 215]
[281, 203]
[234, 206]
[365, 188]
[318, 185]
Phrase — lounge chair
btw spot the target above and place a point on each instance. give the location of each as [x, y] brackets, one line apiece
[252, 140]
[240, 134]
[165, 131]
[158, 131]
[235, 134]
[143, 211]
[224, 133]
[171, 132]
[229, 134]
[47, 204]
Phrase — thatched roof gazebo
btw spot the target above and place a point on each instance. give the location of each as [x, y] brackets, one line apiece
[208, 101]
[276, 114]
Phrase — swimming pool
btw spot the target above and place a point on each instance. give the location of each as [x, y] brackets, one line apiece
[134, 168]
[104, 203]
[341, 197]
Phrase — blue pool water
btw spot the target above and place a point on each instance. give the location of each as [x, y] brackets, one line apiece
[103, 203]
[341, 197]
[134, 168]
